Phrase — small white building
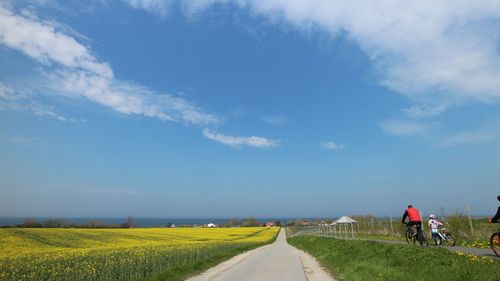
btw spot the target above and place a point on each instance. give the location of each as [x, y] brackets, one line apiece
[211, 225]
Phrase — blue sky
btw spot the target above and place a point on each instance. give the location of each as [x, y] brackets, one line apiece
[211, 108]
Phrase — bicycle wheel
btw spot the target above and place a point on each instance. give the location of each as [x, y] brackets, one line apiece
[423, 239]
[495, 243]
[450, 240]
[408, 235]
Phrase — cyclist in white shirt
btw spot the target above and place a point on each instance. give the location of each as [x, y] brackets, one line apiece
[434, 225]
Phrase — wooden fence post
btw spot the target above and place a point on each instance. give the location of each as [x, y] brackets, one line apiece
[373, 230]
[467, 210]
[423, 224]
[442, 216]
[392, 228]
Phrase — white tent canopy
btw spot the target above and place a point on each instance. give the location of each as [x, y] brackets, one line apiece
[345, 219]
[341, 228]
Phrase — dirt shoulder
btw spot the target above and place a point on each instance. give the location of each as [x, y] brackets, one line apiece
[313, 269]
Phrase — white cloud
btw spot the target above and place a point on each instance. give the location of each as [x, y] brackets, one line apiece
[331, 145]
[43, 111]
[438, 53]
[15, 98]
[488, 132]
[41, 41]
[466, 138]
[73, 71]
[237, 141]
[425, 110]
[159, 7]
[9, 93]
[275, 120]
[404, 127]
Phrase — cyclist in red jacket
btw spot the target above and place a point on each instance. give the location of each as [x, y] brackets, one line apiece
[413, 218]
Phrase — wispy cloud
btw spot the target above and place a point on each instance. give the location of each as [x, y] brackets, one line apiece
[276, 120]
[24, 141]
[405, 127]
[46, 112]
[74, 71]
[19, 99]
[488, 132]
[450, 58]
[237, 141]
[159, 7]
[425, 110]
[32, 142]
[330, 145]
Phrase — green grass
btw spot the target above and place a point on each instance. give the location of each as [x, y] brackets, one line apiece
[192, 269]
[457, 223]
[364, 260]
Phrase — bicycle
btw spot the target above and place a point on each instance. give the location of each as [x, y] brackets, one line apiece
[445, 235]
[414, 236]
[495, 242]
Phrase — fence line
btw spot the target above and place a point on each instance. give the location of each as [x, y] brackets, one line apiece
[338, 231]
[460, 222]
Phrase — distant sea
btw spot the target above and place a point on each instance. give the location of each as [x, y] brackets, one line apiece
[141, 222]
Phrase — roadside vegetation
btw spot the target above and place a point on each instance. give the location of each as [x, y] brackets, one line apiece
[128, 223]
[120, 254]
[354, 260]
[380, 228]
[185, 271]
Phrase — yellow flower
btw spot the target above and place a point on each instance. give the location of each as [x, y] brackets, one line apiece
[103, 254]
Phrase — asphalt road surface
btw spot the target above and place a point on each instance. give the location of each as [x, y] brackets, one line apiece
[278, 261]
[275, 262]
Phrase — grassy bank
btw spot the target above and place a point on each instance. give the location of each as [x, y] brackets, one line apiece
[458, 224]
[194, 268]
[364, 260]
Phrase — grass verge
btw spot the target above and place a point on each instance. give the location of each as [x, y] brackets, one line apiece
[365, 260]
[192, 269]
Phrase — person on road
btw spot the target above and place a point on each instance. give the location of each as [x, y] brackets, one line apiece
[496, 218]
[434, 225]
[414, 218]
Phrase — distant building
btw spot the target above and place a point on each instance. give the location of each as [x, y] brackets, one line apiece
[211, 225]
[305, 223]
[270, 224]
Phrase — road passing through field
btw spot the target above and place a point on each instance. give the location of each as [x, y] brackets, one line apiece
[278, 261]
[115, 254]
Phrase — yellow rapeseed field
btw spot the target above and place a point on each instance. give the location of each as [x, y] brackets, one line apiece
[114, 254]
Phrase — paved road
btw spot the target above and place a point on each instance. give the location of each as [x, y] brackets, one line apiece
[278, 261]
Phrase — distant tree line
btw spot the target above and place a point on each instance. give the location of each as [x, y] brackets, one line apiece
[61, 223]
[129, 223]
[248, 222]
